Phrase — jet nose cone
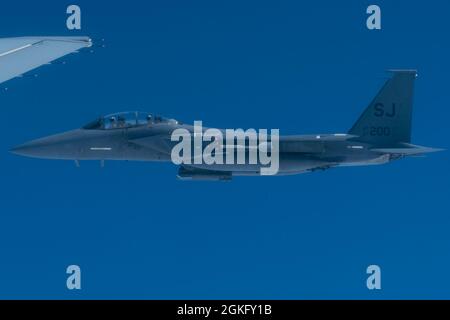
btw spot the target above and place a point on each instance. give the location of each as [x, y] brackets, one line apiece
[29, 149]
[64, 145]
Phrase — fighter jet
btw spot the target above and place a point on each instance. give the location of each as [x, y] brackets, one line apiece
[380, 135]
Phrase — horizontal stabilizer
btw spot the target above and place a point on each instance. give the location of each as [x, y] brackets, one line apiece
[407, 151]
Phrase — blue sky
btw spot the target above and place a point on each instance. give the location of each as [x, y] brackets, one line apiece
[303, 67]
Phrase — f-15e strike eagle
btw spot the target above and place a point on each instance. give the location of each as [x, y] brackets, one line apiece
[380, 135]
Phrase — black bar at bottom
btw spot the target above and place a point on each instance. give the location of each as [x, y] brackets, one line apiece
[226, 309]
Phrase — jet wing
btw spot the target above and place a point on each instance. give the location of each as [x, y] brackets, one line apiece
[19, 55]
[160, 143]
[296, 144]
[409, 150]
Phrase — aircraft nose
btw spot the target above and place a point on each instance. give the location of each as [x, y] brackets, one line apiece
[29, 149]
[58, 146]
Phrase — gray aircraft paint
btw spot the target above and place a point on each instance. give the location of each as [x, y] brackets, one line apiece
[381, 134]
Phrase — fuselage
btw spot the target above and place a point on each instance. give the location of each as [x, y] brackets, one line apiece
[151, 142]
[382, 133]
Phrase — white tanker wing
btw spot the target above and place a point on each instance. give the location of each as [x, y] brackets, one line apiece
[20, 55]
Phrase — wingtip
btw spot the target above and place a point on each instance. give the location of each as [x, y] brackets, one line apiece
[431, 150]
[85, 40]
[403, 71]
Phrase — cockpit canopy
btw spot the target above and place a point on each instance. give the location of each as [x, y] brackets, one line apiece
[127, 120]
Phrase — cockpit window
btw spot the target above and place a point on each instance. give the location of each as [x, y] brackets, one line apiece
[118, 121]
[126, 120]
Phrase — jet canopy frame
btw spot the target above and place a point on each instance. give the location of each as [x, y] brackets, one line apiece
[128, 119]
